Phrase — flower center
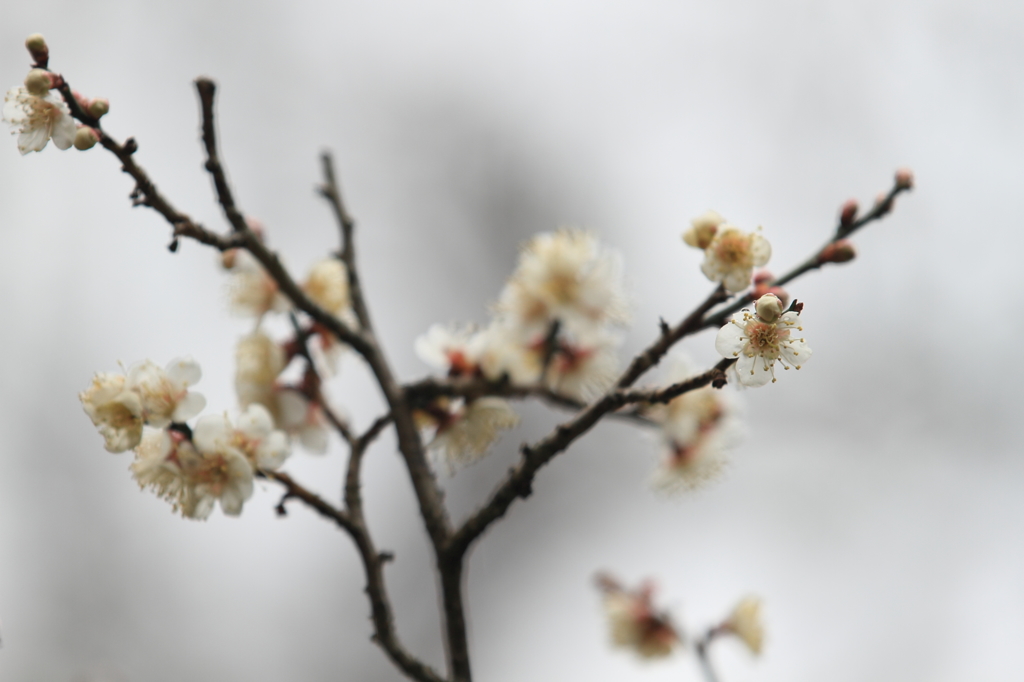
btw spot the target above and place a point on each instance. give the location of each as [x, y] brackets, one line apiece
[764, 339]
[733, 249]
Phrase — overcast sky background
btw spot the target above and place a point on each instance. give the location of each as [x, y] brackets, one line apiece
[877, 504]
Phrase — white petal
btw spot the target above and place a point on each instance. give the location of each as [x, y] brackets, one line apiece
[256, 421]
[737, 280]
[731, 339]
[273, 452]
[211, 432]
[751, 371]
[795, 352]
[63, 133]
[32, 140]
[184, 371]
[189, 406]
[760, 249]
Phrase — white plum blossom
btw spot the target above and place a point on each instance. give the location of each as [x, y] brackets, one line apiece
[38, 114]
[760, 338]
[465, 433]
[327, 286]
[633, 622]
[702, 230]
[566, 276]
[193, 477]
[745, 623]
[456, 350]
[253, 291]
[254, 437]
[697, 428]
[115, 410]
[164, 392]
[259, 360]
[301, 417]
[732, 255]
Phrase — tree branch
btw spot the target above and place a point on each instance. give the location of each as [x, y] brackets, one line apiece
[373, 565]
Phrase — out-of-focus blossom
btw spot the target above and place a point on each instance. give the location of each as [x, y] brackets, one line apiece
[697, 428]
[757, 339]
[38, 114]
[702, 230]
[259, 360]
[254, 292]
[116, 411]
[456, 350]
[732, 255]
[327, 286]
[466, 432]
[745, 623]
[566, 276]
[633, 621]
[302, 418]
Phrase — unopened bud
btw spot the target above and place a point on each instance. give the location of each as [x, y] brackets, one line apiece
[905, 178]
[762, 276]
[86, 138]
[98, 107]
[848, 213]
[841, 251]
[37, 82]
[36, 45]
[769, 308]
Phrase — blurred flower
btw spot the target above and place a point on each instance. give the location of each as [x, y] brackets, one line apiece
[327, 286]
[702, 230]
[732, 255]
[634, 623]
[758, 342]
[745, 623]
[454, 349]
[301, 417]
[466, 431]
[697, 428]
[254, 437]
[254, 292]
[565, 276]
[116, 411]
[258, 362]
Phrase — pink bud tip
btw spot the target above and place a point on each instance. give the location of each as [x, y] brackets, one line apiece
[841, 251]
[905, 178]
[848, 213]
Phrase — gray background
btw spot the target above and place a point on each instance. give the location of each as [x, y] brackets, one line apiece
[876, 504]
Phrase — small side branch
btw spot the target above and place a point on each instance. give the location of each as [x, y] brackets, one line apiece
[207, 89]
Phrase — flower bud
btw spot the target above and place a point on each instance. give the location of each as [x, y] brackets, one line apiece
[37, 47]
[229, 258]
[762, 276]
[86, 138]
[37, 82]
[98, 107]
[769, 308]
[905, 178]
[841, 251]
[848, 213]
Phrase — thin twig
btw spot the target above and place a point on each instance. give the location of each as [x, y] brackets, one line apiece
[302, 345]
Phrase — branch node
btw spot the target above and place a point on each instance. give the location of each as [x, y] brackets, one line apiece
[385, 557]
[130, 146]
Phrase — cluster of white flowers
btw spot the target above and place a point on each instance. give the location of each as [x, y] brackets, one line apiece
[730, 254]
[759, 338]
[192, 468]
[697, 428]
[633, 622]
[121, 405]
[217, 464]
[552, 328]
[260, 360]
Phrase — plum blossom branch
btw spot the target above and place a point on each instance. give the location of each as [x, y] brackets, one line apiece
[519, 481]
[848, 224]
[353, 523]
[206, 89]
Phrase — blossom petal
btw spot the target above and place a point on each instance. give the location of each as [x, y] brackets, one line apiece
[256, 421]
[32, 140]
[189, 406]
[314, 439]
[796, 352]
[211, 432]
[731, 339]
[760, 249]
[63, 133]
[754, 371]
[184, 371]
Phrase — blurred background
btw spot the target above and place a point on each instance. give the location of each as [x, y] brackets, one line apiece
[876, 505]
